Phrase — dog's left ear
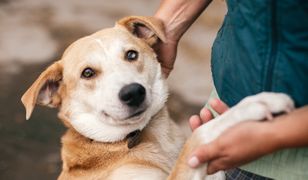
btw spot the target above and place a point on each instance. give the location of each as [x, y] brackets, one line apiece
[145, 27]
[44, 90]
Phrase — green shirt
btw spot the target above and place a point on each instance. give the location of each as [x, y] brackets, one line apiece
[263, 46]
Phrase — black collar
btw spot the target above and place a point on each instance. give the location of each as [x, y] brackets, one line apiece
[133, 138]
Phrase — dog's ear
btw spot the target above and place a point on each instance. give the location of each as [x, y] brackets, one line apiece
[148, 28]
[44, 90]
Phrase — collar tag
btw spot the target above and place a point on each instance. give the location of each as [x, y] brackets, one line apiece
[133, 139]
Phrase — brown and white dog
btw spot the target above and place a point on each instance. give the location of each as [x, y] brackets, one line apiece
[111, 96]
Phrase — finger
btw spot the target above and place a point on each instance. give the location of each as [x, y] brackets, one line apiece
[205, 115]
[214, 166]
[202, 154]
[166, 72]
[218, 106]
[194, 122]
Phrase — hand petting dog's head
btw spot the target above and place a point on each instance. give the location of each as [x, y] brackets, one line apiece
[107, 84]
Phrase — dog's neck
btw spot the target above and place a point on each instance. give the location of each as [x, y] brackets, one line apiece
[134, 137]
[75, 144]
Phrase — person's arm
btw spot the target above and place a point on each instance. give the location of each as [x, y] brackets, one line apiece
[177, 16]
[292, 129]
[249, 141]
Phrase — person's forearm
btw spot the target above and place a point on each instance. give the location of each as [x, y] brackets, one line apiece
[178, 15]
[291, 130]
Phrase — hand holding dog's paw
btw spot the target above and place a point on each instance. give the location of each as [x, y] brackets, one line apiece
[236, 146]
[241, 143]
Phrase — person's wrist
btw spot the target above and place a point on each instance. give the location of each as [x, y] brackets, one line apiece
[272, 136]
[172, 36]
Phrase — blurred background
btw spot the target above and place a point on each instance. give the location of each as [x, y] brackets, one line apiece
[34, 33]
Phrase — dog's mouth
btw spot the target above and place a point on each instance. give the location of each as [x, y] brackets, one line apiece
[136, 114]
[133, 116]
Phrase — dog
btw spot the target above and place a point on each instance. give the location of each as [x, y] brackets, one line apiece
[111, 93]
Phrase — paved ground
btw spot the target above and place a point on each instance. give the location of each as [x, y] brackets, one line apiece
[33, 33]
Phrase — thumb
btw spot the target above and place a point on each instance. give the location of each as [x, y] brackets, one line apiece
[202, 154]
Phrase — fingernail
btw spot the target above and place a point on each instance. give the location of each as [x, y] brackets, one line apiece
[193, 162]
[214, 102]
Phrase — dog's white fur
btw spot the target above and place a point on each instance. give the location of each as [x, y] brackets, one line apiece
[93, 109]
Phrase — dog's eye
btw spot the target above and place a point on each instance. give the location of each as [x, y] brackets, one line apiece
[87, 73]
[131, 55]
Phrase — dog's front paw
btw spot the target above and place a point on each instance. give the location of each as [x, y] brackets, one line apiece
[263, 105]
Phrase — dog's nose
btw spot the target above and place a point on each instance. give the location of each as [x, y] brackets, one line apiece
[133, 94]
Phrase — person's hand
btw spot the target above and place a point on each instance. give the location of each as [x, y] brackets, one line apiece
[238, 145]
[177, 16]
[250, 140]
[166, 54]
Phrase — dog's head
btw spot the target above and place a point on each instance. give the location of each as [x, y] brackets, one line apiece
[107, 84]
